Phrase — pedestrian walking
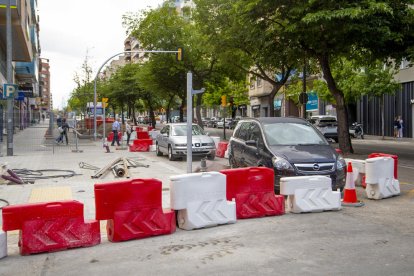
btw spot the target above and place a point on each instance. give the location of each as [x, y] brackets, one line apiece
[128, 130]
[59, 121]
[396, 126]
[116, 127]
[63, 132]
[43, 117]
[400, 129]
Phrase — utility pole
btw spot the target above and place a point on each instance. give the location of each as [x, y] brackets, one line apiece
[10, 101]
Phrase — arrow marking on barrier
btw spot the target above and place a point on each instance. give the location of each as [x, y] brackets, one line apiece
[316, 198]
[43, 233]
[144, 221]
[67, 231]
[208, 210]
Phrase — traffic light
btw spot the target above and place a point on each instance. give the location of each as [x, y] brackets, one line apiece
[223, 101]
[179, 54]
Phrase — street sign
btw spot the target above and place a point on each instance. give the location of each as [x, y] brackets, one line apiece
[8, 90]
[104, 100]
[20, 96]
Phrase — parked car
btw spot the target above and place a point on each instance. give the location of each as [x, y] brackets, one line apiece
[327, 125]
[172, 140]
[213, 122]
[233, 123]
[205, 121]
[220, 124]
[290, 146]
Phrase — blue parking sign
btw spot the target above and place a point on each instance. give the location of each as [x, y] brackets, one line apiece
[9, 90]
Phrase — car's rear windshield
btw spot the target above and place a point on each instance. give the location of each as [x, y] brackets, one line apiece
[286, 134]
[181, 130]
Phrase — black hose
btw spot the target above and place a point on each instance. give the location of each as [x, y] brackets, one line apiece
[5, 201]
[30, 175]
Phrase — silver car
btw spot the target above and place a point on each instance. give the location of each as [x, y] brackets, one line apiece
[172, 140]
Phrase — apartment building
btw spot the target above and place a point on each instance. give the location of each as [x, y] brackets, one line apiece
[46, 104]
[25, 61]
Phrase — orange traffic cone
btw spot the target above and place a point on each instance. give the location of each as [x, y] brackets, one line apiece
[350, 196]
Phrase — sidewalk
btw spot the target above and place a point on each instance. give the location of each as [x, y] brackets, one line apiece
[79, 186]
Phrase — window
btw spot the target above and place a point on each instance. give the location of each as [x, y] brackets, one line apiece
[243, 131]
[256, 134]
[259, 82]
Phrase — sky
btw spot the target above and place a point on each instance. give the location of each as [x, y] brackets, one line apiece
[72, 30]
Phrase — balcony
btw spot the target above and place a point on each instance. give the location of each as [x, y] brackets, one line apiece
[22, 48]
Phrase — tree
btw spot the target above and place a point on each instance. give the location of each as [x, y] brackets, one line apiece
[243, 46]
[329, 30]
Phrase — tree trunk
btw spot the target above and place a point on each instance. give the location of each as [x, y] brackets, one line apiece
[182, 110]
[382, 117]
[198, 110]
[342, 114]
[272, 95]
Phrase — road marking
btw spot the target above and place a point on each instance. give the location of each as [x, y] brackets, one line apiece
[50, 194]
[407, 167]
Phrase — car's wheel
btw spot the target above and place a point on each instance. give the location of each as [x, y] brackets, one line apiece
[171, 156]
[211, 157]
[157, 150]
[362, 136]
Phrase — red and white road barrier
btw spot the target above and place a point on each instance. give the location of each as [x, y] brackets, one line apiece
[51, 226]
[200, 199]
[310, 194]
[253, 191]
[380, 181]
[133, 209]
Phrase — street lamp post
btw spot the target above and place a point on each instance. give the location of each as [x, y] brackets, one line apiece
[99, 71]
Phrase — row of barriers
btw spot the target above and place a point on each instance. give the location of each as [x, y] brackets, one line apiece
[133, 208]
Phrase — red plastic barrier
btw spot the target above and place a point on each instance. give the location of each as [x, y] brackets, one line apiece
[395, 157]
[133, 209]
[138, 128]
[221, 148]
[149, 128]
[142, 135]
[51, 226]
[140, 145]
[111, 136]
[253, 189]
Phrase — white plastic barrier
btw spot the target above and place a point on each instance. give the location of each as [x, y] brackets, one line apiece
[3, 244]
[358, 167]
[380, 178]
[310, 194]
[216, 140]
[152, 147]
[200, 199]
[226, 154]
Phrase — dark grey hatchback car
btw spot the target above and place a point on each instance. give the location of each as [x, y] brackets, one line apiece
[290, 146]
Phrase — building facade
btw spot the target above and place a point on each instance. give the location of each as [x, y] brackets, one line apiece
[46, 103]
[25, 62]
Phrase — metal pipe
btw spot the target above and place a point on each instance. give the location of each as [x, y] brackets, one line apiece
[189, 122]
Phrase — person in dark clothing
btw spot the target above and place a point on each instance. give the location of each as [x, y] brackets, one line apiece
[64, 133]
[59, 121]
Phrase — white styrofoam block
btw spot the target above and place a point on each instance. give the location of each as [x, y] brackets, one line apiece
[153, 134]
[387, 187]
[377, 168]
[356, 164]
[3, 244]
[288, 185]
[208, 213]
[186, 188]
[314, 200]
[216, 140]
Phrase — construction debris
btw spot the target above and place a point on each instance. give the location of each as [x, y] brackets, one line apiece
[119, 167]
